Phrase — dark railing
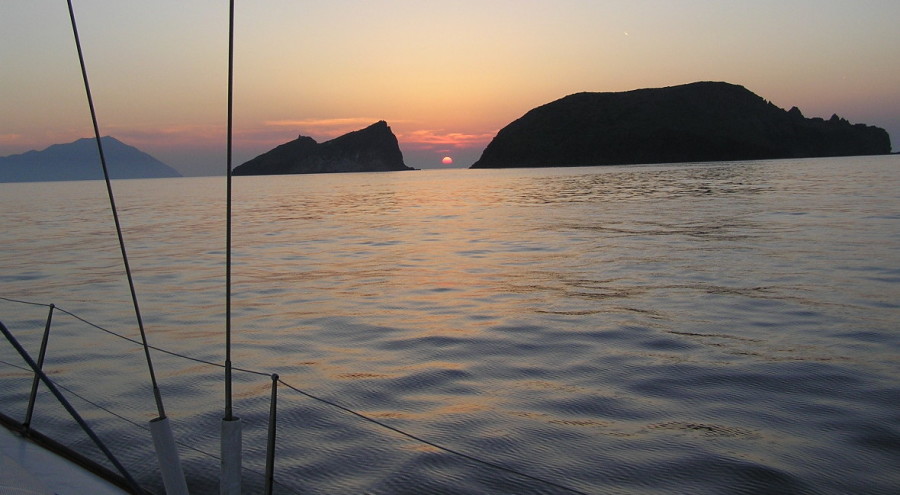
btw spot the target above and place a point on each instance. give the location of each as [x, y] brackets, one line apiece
[40, 364]
[40, 375]
[268, 480]
[121, 475]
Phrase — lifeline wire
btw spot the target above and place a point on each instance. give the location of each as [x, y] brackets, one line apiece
[106, 409]
[327, 402]
[112, 204]
[432, 444]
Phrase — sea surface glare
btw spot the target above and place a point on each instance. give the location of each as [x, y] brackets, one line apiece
[727, 328]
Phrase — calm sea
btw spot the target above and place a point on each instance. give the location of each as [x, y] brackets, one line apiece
[725, 328]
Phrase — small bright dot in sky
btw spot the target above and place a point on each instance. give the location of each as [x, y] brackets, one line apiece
[447, 160]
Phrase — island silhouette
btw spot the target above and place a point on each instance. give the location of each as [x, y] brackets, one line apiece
[80, 160]
[373, 149]
[697, 122]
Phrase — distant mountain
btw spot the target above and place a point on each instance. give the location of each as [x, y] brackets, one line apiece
[373, 149]
[80, 160]
[703, 121]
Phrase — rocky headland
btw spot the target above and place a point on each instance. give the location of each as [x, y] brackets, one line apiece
[373, 149]
[703, 121]
[80, 160]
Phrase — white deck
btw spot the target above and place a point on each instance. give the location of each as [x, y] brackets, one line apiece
[27, 468]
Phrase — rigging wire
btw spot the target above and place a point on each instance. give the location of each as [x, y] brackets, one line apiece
[228, 410]
[112, 204]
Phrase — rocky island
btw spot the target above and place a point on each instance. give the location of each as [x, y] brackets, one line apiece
[80, 160]
[373, 149]
[703, 121]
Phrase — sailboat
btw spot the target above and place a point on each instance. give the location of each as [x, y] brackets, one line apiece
[161, 432]
[34, 462]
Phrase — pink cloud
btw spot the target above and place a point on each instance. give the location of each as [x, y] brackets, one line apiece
[10, 138]
[428, 139]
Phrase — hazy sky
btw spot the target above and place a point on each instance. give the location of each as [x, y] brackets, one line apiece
[445, 75]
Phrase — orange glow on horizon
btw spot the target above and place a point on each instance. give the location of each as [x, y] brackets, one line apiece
[447, 160]
[298, 68]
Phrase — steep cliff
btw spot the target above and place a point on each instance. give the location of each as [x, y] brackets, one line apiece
[373, 149]
[704, 121]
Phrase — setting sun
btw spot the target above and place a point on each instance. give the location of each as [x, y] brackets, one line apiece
[447, 160]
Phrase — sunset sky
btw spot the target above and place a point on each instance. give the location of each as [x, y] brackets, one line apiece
[446, 76]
